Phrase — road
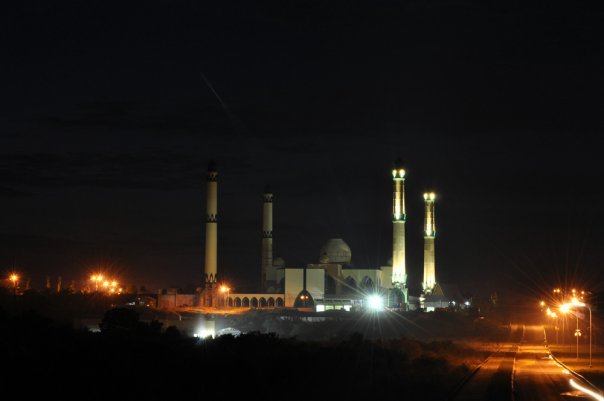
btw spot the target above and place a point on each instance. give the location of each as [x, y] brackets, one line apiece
[521, 370]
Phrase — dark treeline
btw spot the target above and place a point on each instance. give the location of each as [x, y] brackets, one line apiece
[66, 307]
[130, 359]
[441, 324]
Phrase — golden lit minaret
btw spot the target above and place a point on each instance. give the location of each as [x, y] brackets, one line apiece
[211, 256]
[267, 239]
[399, 273]
[429, 234]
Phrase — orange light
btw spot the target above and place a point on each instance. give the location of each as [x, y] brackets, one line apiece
[14, 277]
[106, 284]
[224, 289]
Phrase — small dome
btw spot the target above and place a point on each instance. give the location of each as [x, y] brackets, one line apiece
[337, 251]
[304, 300]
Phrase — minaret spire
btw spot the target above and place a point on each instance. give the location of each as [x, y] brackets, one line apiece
[268, 278]
[429, 235]
[399, 217]
[211, 255]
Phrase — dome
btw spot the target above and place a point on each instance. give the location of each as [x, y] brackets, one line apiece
[304, 300]
[337, 251]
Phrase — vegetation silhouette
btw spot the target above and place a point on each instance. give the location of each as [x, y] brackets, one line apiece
[130, 359]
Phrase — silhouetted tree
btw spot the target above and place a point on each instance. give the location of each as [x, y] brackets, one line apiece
[172, 333]
[119, 320]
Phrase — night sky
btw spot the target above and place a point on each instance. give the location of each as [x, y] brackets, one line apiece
[108, 126]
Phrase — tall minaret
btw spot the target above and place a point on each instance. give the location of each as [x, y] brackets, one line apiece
[399, 273]
[267, 239]
[211, 260]
[429, 234]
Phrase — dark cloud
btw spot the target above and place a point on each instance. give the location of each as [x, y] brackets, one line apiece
[155, 170]
[184, 118]
[6, 192]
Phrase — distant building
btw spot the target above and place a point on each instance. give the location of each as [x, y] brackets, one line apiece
[171, 299]
[443, 296]
[333, 282]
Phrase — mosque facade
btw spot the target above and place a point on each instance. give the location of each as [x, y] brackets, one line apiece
[332, 282]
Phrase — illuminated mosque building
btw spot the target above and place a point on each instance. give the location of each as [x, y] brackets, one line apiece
[332, 282]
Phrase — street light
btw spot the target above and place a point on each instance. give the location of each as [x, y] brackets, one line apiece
[96, 279]
[14, 278]
[375, 302]
[554, 316]
[225, 290]
[576, 303]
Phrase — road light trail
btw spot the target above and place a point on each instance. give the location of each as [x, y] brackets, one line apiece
[524, 371]
[493, 380]
[585, 390]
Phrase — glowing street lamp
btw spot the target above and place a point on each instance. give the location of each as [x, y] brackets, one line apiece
[225, 291]
[375, 302]
[96, 279]
[554, 316]
[14, 277]
[575, 303]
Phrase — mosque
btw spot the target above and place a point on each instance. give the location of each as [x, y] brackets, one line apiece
[332, 282]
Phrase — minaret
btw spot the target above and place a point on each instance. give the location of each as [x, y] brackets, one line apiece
[429, 234]
[211, 256]
[399, 273]
[267, 239]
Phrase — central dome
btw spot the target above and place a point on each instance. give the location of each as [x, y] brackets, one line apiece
[336, 250]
